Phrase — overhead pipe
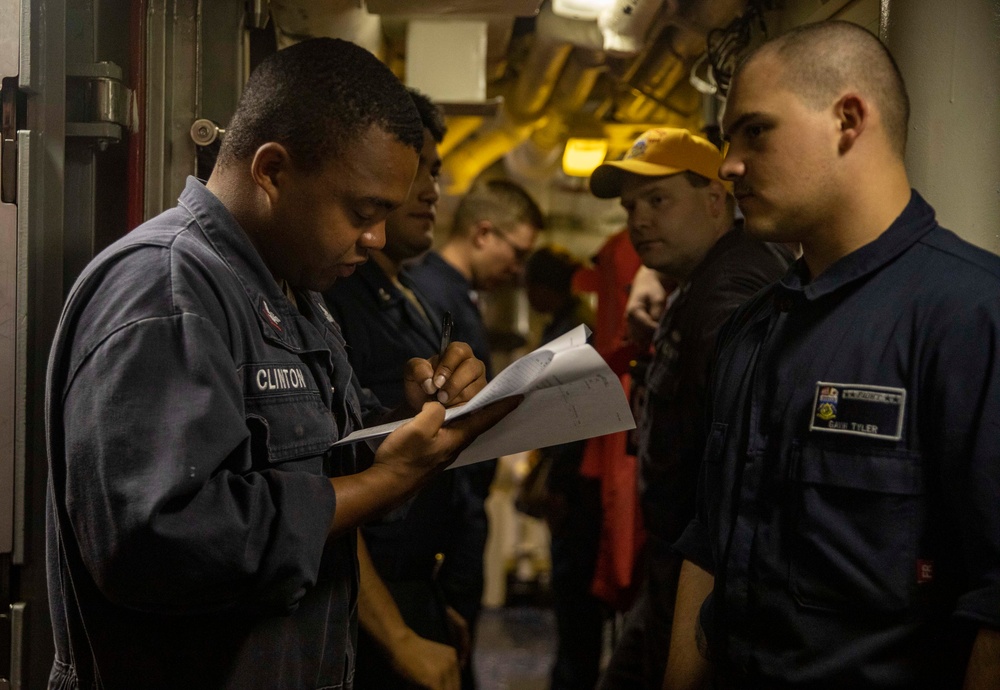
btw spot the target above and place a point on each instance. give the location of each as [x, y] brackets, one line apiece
[461, 167]
[658, 79]
[527, 103]
[541, 154]
[550, 89]
[460, 128]
[535, 141]
[298, 20]
[625, 24]
[573, 90]
[555, 38]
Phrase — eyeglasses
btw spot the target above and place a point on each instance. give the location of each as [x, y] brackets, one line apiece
[521, 254]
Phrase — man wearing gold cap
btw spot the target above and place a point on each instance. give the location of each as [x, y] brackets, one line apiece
[680, 219]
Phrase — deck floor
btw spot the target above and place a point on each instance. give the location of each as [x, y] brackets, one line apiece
[515, 648]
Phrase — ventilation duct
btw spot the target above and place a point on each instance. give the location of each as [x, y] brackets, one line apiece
[297, 20]
[624, 26]
[554, 84]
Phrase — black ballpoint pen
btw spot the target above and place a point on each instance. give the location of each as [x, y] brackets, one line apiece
[446, 324]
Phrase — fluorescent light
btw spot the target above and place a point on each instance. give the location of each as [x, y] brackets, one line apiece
[580, 9]
[581, 156]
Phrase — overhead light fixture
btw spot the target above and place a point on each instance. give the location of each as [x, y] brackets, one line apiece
[580, 9]
[582, 156]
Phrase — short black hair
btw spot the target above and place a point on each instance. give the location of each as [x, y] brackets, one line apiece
[504, 203]
[314, 98]
[551, 266]
[430, 114]
[821, 59]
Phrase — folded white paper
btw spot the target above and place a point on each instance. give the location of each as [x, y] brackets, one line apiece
[569, 392]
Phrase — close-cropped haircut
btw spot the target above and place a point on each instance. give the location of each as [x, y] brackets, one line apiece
[502, 202]
[430, 114]
[314, 98]
[822, 59]
[551, 266]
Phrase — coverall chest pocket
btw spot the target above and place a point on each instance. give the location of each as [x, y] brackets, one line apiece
[856, 526]
[287, 417]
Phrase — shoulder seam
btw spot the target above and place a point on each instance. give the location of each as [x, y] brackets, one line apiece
[930, 241]
[71, 376]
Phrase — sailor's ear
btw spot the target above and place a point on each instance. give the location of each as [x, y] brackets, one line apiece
[269, 168]
[852, 113]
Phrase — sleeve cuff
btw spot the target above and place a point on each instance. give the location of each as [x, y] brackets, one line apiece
[695, 546]
[981, 606]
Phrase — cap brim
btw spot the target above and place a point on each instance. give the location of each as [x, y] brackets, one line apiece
[606, 180]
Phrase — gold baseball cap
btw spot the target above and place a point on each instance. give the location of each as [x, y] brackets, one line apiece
[657, 153]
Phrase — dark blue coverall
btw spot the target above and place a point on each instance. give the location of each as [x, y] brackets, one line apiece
[191, 409]
[849, 494]
[447, 290]
[383, 330]
[672, 440]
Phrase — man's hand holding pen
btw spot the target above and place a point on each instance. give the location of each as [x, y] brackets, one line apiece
[424, 445]
[450, 378]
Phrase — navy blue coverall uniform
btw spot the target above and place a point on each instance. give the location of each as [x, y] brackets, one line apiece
[447, 290]
[672, 439]
[848, 506]
[383, 330]
[191, 409]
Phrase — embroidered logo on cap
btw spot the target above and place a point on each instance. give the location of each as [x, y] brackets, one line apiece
[638, 148]
[272, 318]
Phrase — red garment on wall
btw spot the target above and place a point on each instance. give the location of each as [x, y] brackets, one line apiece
[604, 457]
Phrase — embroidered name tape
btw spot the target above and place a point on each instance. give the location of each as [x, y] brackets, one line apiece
[859, 410]
[263, 378]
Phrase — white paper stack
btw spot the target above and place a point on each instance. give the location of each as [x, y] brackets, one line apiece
[569, 392]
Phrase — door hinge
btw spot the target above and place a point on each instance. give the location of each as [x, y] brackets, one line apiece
[98, 104]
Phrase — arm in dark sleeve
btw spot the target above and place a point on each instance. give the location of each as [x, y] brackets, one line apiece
[695, 543]
[962, 413]
[738, 277]
[461, 577]
[169, 513]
